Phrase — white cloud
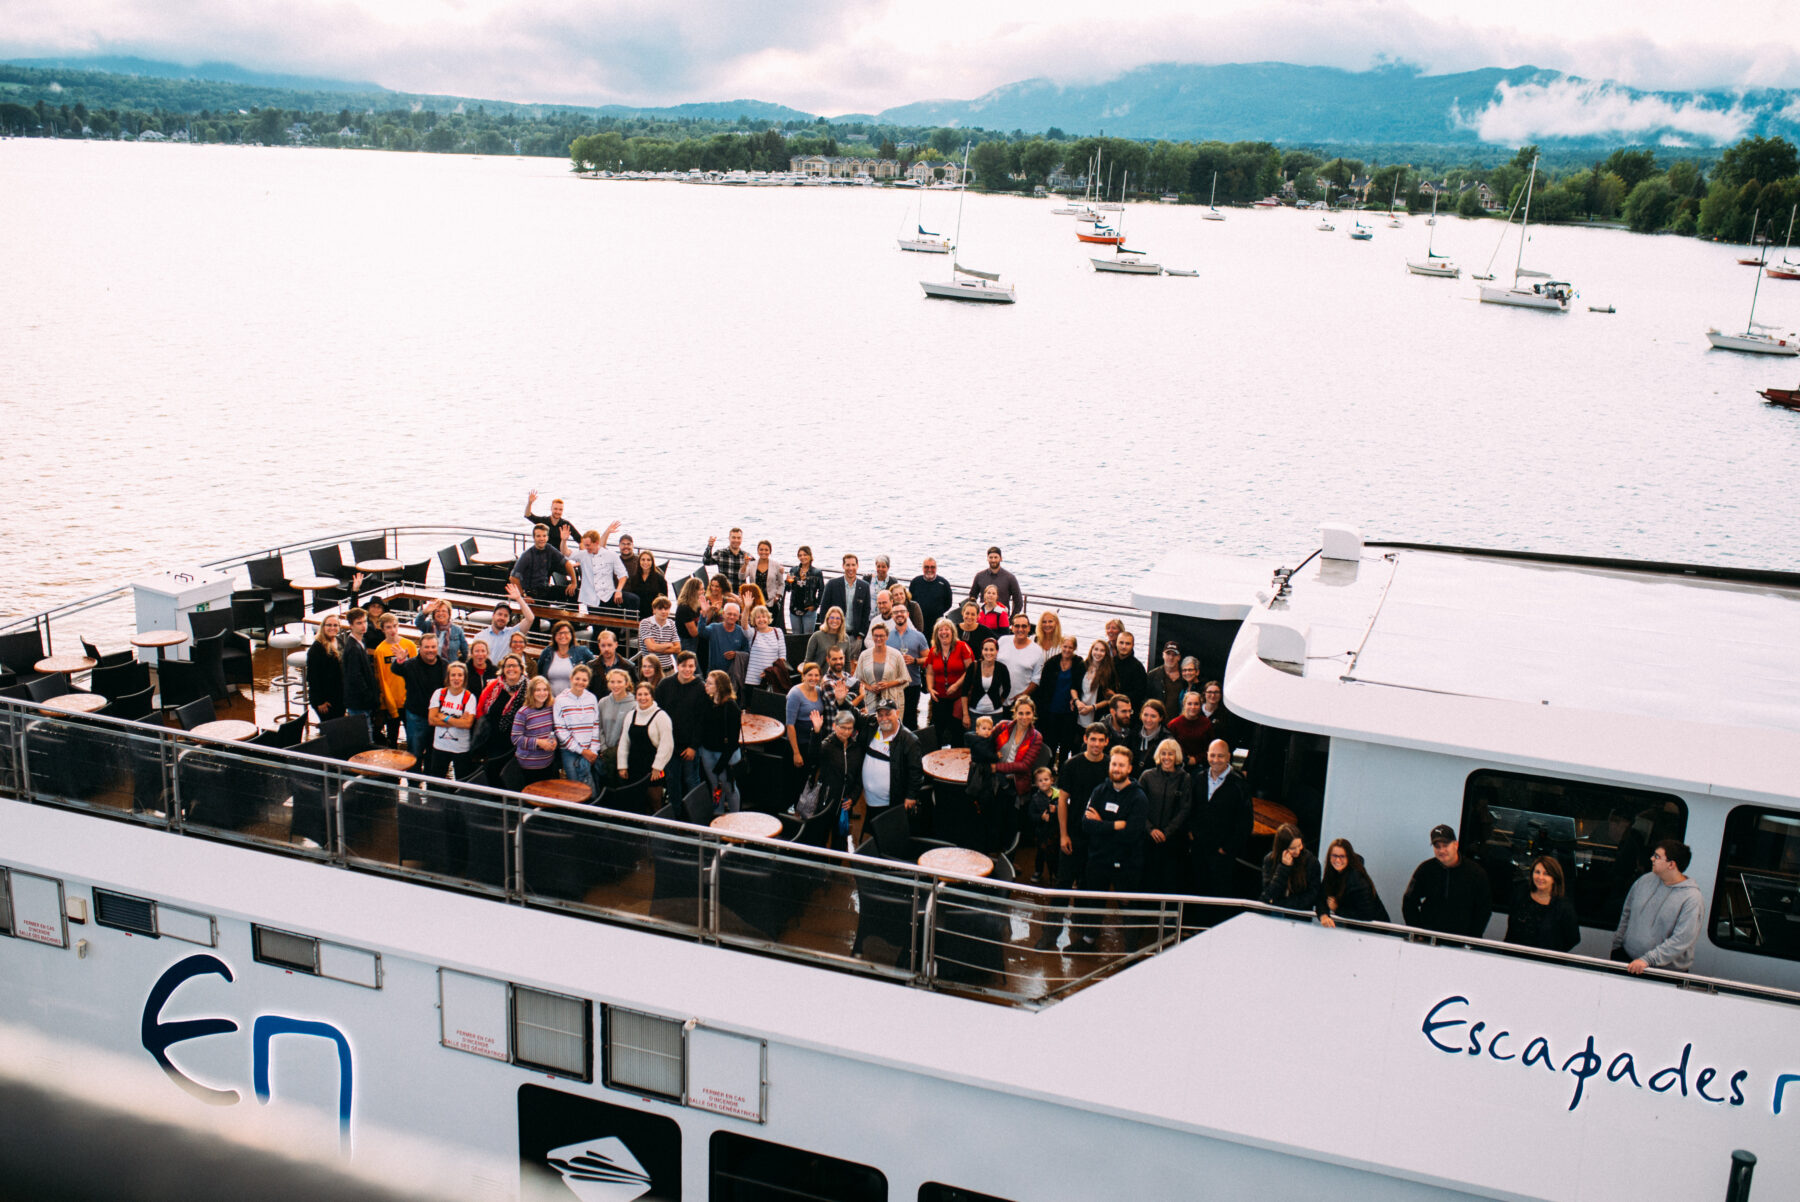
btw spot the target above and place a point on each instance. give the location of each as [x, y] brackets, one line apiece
[1574, 109]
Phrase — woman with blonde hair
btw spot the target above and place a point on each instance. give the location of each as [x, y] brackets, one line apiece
[831, 633]
[325, 670]
[767, 644]
[534, 730]
[1050, 634]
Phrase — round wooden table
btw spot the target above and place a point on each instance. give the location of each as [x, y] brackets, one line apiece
[312, 584]
[488, 559]
[158, 639]
[68, 665]
[235, 730]
[760, 728]
[76, 703]
[958, 860]
[379, 565]
[1269, 816]
[951, 765]
[751, 824]
[557, 791]
[385, 757]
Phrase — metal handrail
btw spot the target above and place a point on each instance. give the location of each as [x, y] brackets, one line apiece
[19, 718]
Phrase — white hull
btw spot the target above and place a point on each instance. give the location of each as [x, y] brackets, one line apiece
[1754, 344]
[1212, 215]
[1449, 271]
[1524, 298]
[983, 291]
[1127, 266]
[926, 246]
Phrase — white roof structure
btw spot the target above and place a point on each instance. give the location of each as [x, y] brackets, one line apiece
[1636, 674]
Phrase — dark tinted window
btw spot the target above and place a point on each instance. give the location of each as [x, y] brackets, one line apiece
[1756, 903]
[751, 1170]
[1601, 834]
[932, 1191]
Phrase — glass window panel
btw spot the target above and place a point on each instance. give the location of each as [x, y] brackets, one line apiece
[1756, 901]
[298, 952]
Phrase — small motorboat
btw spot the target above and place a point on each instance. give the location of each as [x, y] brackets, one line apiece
[1601, 309]
[1787, 398]
[1187, 271]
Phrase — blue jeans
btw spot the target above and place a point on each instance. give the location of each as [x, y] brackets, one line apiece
[683, 775]
[715, 776]
[418, 731]
[576, 767]
[804, 623]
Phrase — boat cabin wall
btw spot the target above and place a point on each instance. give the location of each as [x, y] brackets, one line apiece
[1386, 799]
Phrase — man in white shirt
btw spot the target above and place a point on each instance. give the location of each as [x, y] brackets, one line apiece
[602, 572]
[498, 635]
[884, 610]
[1023, 658]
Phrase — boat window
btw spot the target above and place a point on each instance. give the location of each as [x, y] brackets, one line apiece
[1756, 900]
[125, 913]
[754, 1170]
[933, 1191]
[552, 1031]
[308, 954]
[1601, 834]
[644, 1053]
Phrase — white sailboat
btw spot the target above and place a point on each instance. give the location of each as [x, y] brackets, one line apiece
[966, 283]
[1394, 222]
[1753, 341]
[1212, 212]
[1550, 295]
[1325, 225]
[1434, 263]
[1786, 269]
[1124, 261]
[924, 241]
[1361, 232]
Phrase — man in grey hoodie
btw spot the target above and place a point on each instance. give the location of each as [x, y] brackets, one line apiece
[1661, 921]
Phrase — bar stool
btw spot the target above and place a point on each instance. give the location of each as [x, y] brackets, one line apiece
[291, 645]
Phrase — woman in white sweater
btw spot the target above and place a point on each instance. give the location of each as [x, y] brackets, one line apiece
[648, 743]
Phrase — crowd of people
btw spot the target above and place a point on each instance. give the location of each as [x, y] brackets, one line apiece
[1117, 776]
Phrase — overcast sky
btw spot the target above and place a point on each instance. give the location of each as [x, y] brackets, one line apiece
[840, 56]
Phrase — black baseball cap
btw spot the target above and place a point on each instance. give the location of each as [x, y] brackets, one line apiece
[886, 703]
[1442, 833]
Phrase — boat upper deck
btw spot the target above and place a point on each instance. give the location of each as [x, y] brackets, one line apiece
[1661, 673]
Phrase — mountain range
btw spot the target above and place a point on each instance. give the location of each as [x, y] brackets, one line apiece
[1278, 102]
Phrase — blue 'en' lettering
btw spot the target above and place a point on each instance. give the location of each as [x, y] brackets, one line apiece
[267, 1026]
[158, 1035]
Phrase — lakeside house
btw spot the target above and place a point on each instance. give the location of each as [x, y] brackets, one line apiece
[843, 166]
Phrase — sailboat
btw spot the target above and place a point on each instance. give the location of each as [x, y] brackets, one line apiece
[1361, 233]
[1394, 222]
[1125, 261]
[1212, 213]
[1434, 264]
[965, 283]
[1551, 295]
[925, 241]
[1753, 340]
[1325, 225]
[1785, 270]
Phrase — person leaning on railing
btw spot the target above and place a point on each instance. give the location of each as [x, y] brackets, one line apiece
[1290, 872]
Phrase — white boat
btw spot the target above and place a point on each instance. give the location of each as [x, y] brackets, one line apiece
[1126, 262]
[1433, 264]
[1212, 210]
[1394, 222]
[1324, 206]
[1545, 294]
[1755, 338]
[1181, 271]
[1361, 233]
[546, 1000]
[925, 242]
[966, 283]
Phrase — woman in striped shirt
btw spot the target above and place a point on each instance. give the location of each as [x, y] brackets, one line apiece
[766, 645]
[534, 731]
[577, 727]
[659, 635]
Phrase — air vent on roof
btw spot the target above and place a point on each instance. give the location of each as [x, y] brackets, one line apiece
[125, 913]
[1340, 542]
[1282, 646]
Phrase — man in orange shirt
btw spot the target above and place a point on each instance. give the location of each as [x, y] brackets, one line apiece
[392, 648]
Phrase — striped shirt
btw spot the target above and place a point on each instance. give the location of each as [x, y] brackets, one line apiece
[577, 720]
[530, 726]
[662, 632]
[766, 646]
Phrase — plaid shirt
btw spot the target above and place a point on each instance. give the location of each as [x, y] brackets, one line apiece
[731, 566]
[828, 695]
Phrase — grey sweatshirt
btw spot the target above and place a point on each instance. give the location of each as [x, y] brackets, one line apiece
[1661, 923]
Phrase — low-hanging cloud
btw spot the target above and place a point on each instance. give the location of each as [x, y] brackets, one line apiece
[1573, 108]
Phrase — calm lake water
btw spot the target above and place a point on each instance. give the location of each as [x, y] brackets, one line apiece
[205, 350]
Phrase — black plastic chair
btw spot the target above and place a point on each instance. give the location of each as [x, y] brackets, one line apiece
[768, 704]
[346, 736]
[250, 612]
[208, 659]
[20, 652]
[45, 687]
[697, 806]
[285, 605]
[134, 706]
[884, 910]
[368, 548]
[288, 734]
[121, 679]
[676, 873]
[106, 661]
[314, 810]
[329, 561]
[58, 763]
[195, 713]
[759, 893]
[894, 840]
[179, 682]
[234, 648]
[466, 548]
[456, 576]
[414, 573]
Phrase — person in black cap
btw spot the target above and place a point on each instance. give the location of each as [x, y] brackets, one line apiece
[1447, 893]
[1164, 680]
[893, 767]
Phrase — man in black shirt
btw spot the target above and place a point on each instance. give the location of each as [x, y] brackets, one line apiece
[1134, 682]
[683, 697]
[532, 570]
[424, 675]
[1079, 777]
[933, 593]
[562, 530]
[1117, 838]
[362, 695]
[1448, 893]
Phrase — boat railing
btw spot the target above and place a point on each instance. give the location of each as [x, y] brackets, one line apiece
[997, 940]
[418, 541]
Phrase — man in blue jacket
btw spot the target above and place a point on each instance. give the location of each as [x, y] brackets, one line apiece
[1114, 822]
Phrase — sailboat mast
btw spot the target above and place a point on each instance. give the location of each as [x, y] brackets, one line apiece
[1525, 223]
[1762, 256]
[963, 183]
[1431, 238]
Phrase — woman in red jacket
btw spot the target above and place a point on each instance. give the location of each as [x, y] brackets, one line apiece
[945, 663]
[1019, 744]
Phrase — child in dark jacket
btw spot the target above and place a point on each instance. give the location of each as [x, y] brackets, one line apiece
[1041, 815]
[966, 819]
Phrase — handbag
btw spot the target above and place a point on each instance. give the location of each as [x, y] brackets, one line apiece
[812, 799]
